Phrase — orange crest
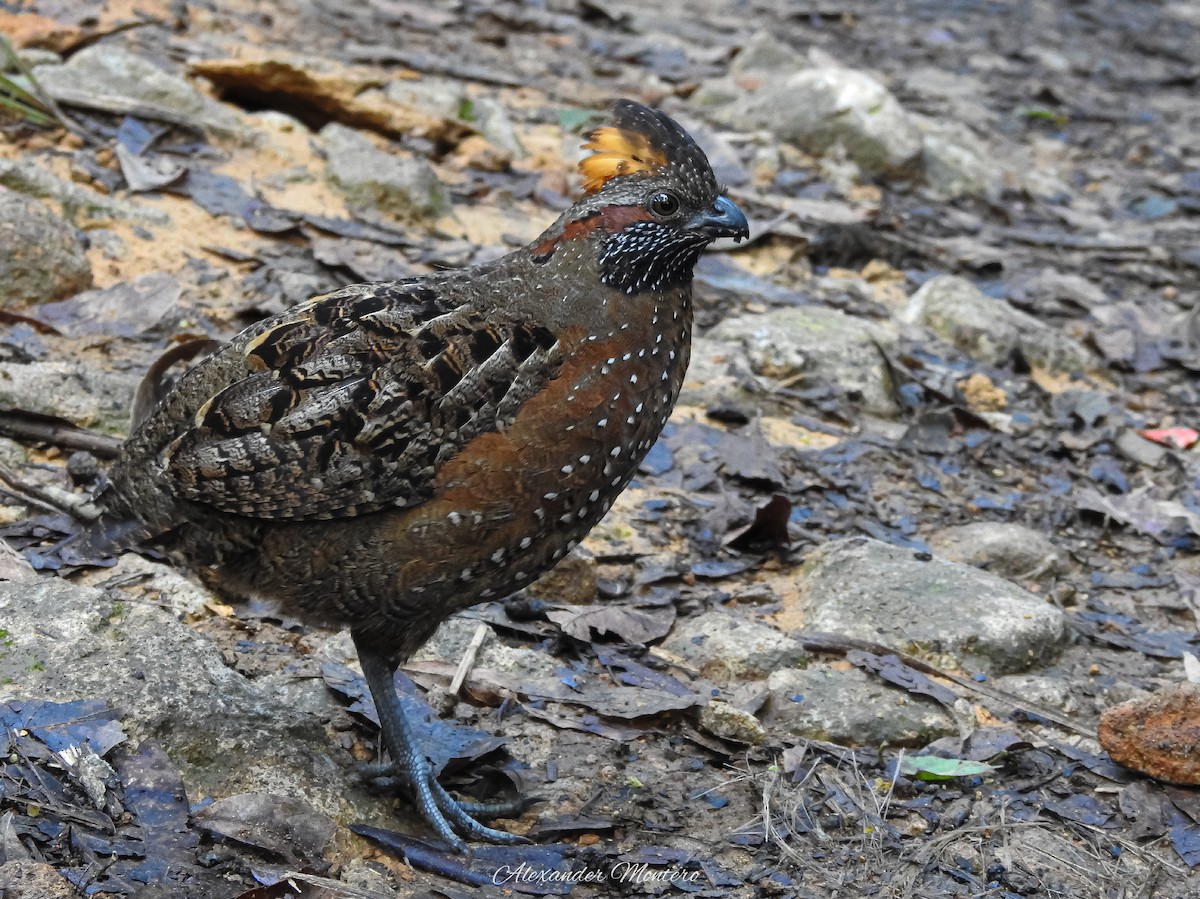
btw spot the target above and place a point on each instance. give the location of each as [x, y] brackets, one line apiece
[618, 151]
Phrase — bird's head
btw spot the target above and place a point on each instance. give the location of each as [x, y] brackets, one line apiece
[651, 203]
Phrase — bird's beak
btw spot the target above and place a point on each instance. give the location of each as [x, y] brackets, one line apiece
[724, 219]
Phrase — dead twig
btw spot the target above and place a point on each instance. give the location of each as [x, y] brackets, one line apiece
[27, 429]
[53, 498]
[467, 662]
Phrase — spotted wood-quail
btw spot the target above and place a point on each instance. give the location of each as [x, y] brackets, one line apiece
[385, 455]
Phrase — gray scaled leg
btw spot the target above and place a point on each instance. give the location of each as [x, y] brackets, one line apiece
[445, 813]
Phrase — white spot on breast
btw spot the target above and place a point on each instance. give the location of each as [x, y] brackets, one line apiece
[594, 495]
[585, 459]
[567, 469]
[455, 518]
[525, 542]
[498, 556]
[550, 496]
[602, 422]
[633, 379]
[466, 574]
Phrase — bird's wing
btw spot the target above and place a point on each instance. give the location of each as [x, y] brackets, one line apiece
[352, 402]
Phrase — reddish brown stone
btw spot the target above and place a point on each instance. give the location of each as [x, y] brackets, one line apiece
[1158, 735]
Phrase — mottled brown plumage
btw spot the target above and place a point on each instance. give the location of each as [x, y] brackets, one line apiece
[385, 455]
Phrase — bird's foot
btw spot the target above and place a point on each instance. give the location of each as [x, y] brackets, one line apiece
[451, 818]
[446, 813]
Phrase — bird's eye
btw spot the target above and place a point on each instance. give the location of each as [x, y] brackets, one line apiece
[664, 204]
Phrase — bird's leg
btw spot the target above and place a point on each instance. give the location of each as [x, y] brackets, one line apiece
[445, 813]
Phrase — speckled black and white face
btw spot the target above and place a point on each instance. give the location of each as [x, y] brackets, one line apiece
[650, 255]
[659, 239]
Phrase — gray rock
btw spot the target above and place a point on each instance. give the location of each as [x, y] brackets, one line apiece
[80, 204]
[494, 123]
[720, 374]
[27, 879]
[818, 108]
[851, 708]
[447, 99]
[41, 255]
[1007, 550]
[36, 56]
[725, 646]
[1053, 284]
[226, 735]
[105, 76]
[957, 163]
[767, 54]
[1050, 692]
[953, 93]
[949, 613]
[990, 330]
[439, 97]
[402, 186]
[721, 719]
[83, 395]
[1136, 448]
[824, 343]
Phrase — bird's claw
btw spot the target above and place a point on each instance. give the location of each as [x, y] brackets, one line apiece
[439, 805]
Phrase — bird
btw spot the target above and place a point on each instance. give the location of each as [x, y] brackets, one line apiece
[382, 456]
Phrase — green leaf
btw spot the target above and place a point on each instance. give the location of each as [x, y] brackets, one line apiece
[573, 118]
[18, 99]
[932, 767]
[1041, 114]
